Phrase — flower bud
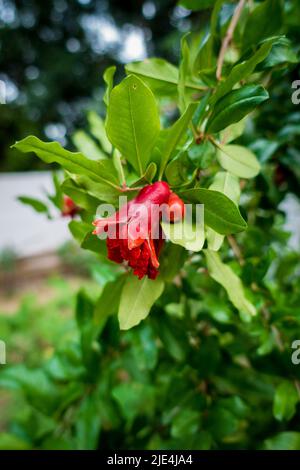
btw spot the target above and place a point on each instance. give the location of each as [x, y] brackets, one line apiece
[176, 208]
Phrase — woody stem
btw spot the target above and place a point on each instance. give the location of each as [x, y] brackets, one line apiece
[228, 37]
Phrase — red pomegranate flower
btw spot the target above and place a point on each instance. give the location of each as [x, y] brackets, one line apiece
[134, 233]
[69, 208]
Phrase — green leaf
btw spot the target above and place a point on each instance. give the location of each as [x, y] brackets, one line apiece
[241, 72]
[202, 154]
[186, 233]
[131, 398]
[281, 53]
[79, 230]
[239, 160]
[88, 333]
[264, 21]
[12, 442]
[232, 284]
[177, 170]
[74, 162]
[232, 132]
[101, 191]
[92, 243]
[88, 423]
[285, 401]
[109, 300]
[172, 337]
[288, 440]
[185, 423]
[80, 196]
[160, 76]
[220, 213]
[171, 261]
[37, 205]
[97, 129]
[86, 145]
[174, 134]
[108, 78]
[197, 5]
[133, 121]
[234, 106]
[137, 298]
[227, 184]
[56, 198]
[147, 176]
[184, 70]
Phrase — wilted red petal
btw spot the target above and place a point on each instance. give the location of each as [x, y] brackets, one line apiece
[69, 208]
[134, 227]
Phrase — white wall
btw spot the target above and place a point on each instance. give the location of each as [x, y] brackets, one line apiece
[21, 228]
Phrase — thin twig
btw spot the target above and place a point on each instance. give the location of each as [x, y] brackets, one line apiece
[228, 37]
[194, 131]
[277, 338]
[236, 249]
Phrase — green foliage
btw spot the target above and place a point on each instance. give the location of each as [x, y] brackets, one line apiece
[130, 129]
[234, 106]
[238, 160]
[37, 205]
[210, 351]
[137, 299]
[220, 212]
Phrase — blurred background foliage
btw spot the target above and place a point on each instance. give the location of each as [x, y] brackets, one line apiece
[53, 54]
[202, 378]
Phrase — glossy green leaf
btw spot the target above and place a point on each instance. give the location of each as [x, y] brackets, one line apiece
[264, 21]
[186, 233]
[57, 197]
[224, 275]
[160, 76]
[74, 162]
[234, 106]
[137, 298]
[288, 440]
[88, 423]
[227, 184]
[185, 423]
[147, 177]
[241, 72]
[109, 300]
[171, 261]
[220, 213]
[79, 229]
[92, 243]
[133, 121]
[285, 401]
[282, 52]
[238, 160]
[183, 74]
[80, 196]
[101, 191]
[177, 170]
[232, 132]
[174, 134]
[108, 78]
[202, 154]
